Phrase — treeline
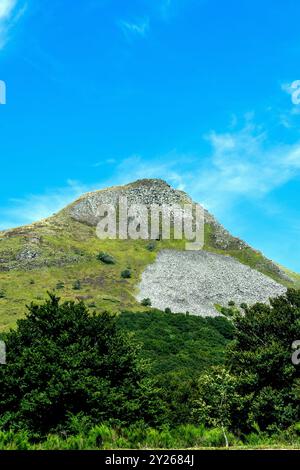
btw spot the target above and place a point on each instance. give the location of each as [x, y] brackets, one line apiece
[75, 378]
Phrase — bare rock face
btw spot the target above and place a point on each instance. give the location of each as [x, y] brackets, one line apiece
[146, 192]
[197, 281]
[27, 254]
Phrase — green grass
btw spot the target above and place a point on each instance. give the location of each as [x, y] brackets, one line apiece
[67, 252]
[143, 437]
[252, 258]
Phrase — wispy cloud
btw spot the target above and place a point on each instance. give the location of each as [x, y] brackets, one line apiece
[34, 207]
[242, 164]
[291, 88]
[288, 117]
[6, 7]
[10, 13]
[245, 164]
[137, 28]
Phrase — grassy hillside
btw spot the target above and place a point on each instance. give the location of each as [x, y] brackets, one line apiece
[60, 252]
[66, 251]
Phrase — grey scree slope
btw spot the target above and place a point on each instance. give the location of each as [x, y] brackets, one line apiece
[195, 281]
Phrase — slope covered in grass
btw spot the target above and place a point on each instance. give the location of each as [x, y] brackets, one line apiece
[60, 252]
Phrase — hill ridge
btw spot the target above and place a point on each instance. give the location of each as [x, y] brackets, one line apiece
[63, 248]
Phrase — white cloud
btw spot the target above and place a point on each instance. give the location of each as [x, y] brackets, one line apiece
[241, 165]
[10, 12]
[6, 7]
[137, 28]
[293, 90]
[35, 207]
[38, 206]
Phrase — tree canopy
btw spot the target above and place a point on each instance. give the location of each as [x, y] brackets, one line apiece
[63, 361]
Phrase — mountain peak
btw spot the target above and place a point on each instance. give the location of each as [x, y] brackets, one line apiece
[30, 247]
[149, 182]
[143, 191]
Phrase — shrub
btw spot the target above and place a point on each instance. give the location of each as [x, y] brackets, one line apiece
[2, 294]
[106, 258]
[146, 303]
[77, 285]
[126, 274]
[244, 306]
[60, 285]
[168, 310]
[14, 441]
[260, 357]
[151, 246]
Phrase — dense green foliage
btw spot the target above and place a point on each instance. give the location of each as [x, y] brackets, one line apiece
[260, 388]
[179, 344]
[77, 380]
[179, 348]
[63, 361]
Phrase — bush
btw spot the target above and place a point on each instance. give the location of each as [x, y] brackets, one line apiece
[62, 361]
[168, 310]
[126, 274]
[2, 294]
[151, 246]
[77, 285]
[260, 358]
[106, 258]
[146, 303]
[60, 285]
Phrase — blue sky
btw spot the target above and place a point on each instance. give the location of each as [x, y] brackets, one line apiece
[197, 92]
